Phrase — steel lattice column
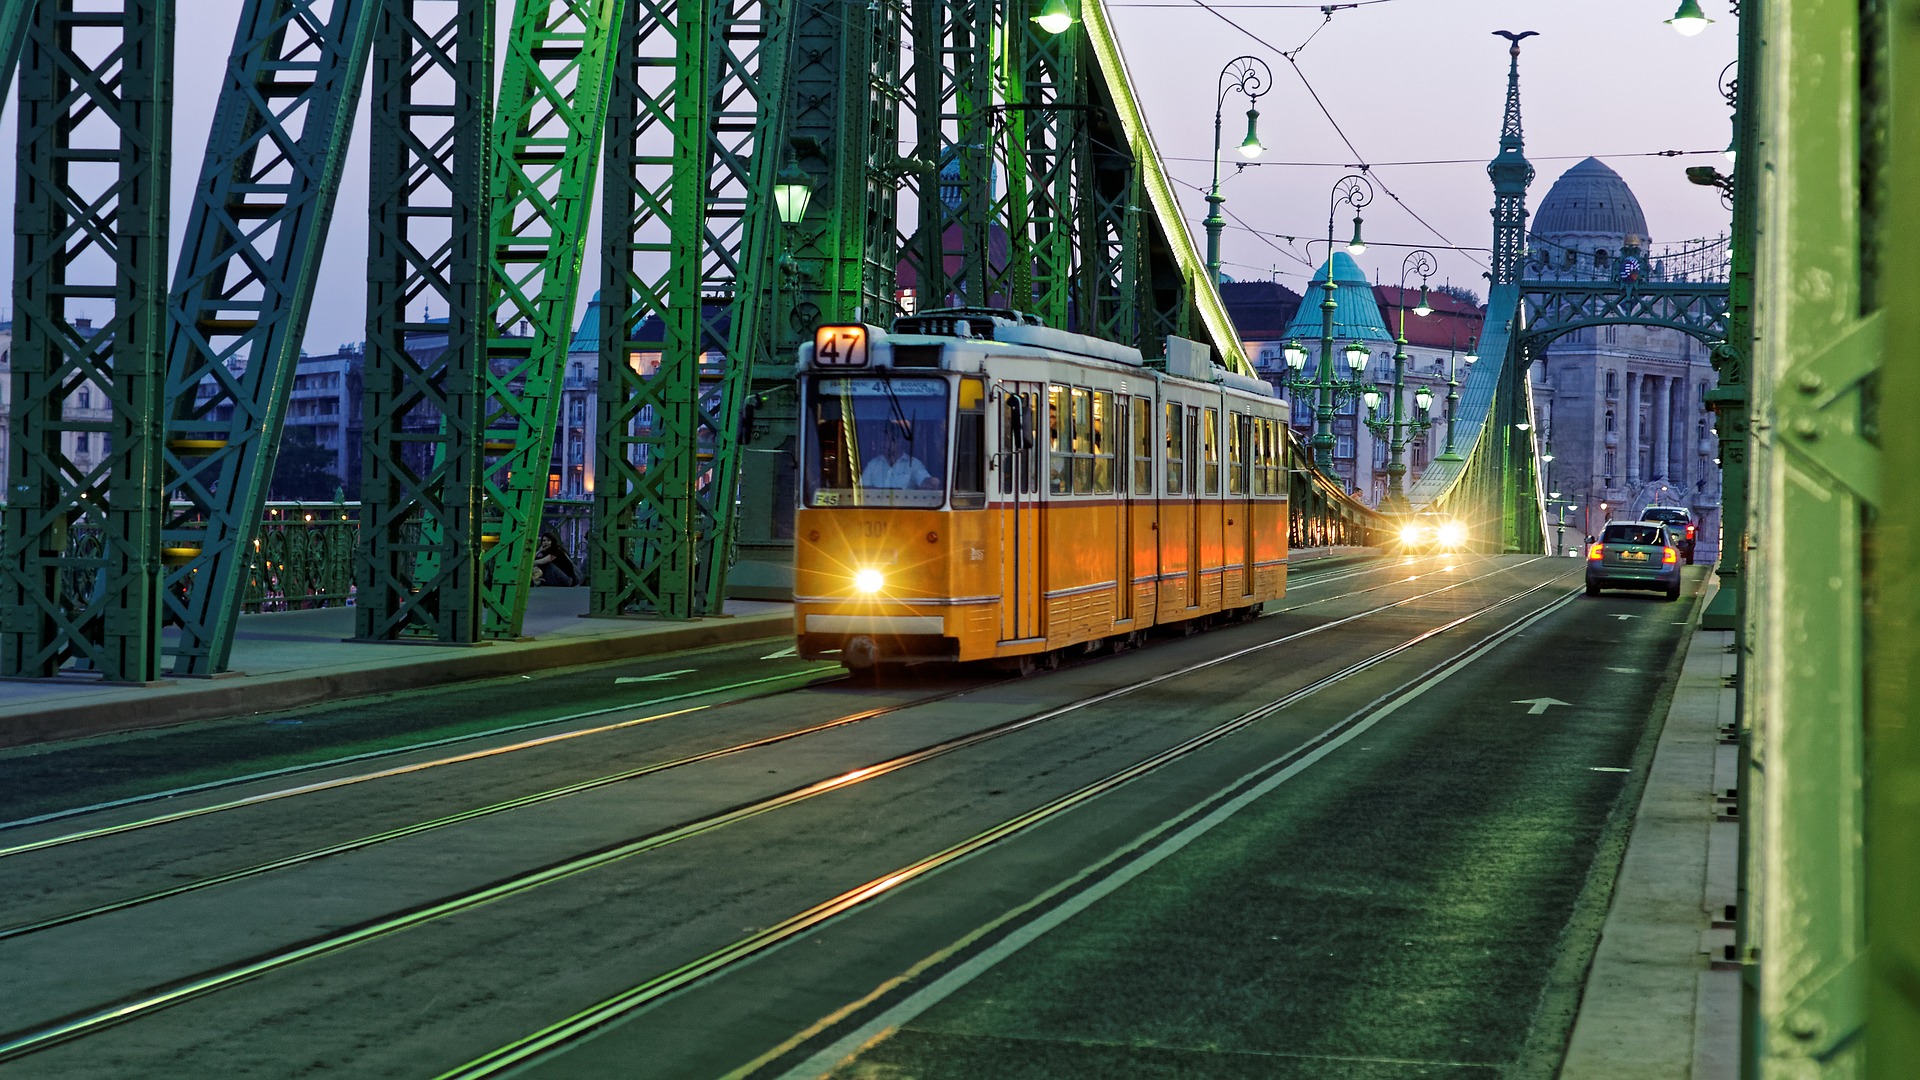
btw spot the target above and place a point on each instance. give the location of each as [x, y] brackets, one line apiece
[1050, 156]
[241, 296]
[91, 233]
[689, 176]
[13, 35]
[418, 566]
[952, 81]
[546, 136]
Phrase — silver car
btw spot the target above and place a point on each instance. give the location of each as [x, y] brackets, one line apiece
[1633, 555]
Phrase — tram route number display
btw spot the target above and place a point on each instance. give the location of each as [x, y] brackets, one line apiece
[840, 346]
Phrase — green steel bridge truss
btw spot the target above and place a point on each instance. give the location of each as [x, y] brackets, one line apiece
[1029, 174]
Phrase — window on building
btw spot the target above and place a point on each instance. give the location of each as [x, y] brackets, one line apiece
[1302, 411]
[1600, 258]
[1613, 385]
[86, 398]
[1379, 453]
[1612, 458]
[1420, 453]
[1610, 421]
[1343, 446]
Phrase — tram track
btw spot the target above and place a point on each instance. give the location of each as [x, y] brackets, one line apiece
[76, 1026]
[534, 798]
[582, 1024]
[478, 755]
[823, 674]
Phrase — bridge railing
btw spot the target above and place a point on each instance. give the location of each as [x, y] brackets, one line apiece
[303, 553]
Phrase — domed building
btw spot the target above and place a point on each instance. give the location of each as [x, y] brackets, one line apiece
[1621, 408]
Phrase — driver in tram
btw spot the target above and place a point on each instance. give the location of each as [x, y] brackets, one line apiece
[894, 468]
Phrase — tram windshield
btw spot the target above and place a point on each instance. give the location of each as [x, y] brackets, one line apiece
[876, 442]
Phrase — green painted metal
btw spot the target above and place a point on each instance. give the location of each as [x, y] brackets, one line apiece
[13, 37]
[1054, 157]
[547, 128]
[689, 225]
[418, 563]
[1893, 737]
[90, 233]
[952, 80]
[241, 294]
[1819, 342]
[1554, 308]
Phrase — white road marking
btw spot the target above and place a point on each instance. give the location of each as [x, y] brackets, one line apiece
[791, 650]
[662, 677]
[1624, 618]
[1625, 670]
[1606, 768]
[1540, 704]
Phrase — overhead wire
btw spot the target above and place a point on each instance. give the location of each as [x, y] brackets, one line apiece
[1289, 57]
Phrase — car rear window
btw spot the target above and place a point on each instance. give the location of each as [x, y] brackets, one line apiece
[1634, 534]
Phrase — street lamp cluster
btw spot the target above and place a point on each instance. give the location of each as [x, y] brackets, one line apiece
[1330, 390]
[1396, 426]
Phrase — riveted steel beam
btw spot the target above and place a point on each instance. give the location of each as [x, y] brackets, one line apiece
[241, 295]
[418, 564]
[547, 137]
[690, 169]
[90, 239]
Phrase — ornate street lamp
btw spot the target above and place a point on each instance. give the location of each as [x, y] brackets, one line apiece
[1453, 395]
[1055, 17]
[1354, 190]
[1689, 20]
[1397, 427]
[1250, 76]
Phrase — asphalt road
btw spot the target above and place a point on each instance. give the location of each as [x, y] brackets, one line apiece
[1443, 856]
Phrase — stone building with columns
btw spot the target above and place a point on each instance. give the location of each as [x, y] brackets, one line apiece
[1621, 408]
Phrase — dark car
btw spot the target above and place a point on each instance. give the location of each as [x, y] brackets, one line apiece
[1682, 520]
[1633, 555]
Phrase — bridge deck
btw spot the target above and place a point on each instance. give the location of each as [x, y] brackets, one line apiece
[1374, 834]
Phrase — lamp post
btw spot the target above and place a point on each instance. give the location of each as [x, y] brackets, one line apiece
[1354, 190]
[1397, 427]
[1453, 393]
[1250, 76]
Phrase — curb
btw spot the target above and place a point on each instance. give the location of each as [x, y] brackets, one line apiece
[226, 698]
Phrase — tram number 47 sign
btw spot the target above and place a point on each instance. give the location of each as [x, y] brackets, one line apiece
[840, 346]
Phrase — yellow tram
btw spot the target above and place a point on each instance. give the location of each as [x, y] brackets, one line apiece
[975, 486]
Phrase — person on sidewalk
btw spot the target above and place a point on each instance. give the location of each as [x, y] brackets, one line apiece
[551, 566]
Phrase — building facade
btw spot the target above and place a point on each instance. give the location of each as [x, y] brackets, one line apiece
[1622, 409]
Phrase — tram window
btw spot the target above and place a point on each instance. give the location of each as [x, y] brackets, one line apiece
[1239, 445]
[876, 442]
[1013, 439]
[1102, 443]
[970, 446]
[1176, 449]
[1082, 441]
[1142, 447]
[1210, 444]
[1030, 478]
[1057, 436]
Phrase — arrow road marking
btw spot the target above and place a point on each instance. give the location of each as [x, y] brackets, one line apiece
[791, 650]
[1540, 704]
[1623, 618]
[662, 677]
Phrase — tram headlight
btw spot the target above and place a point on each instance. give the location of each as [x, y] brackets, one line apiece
[869, 581]
[1411, 535]
[1453, 534]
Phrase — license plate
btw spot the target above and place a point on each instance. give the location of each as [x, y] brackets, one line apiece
[1633, 556]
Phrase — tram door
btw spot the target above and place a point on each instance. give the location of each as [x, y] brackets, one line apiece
[1022, 550]
[1196, 450]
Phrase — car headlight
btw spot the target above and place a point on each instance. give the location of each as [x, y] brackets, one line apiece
[1411, 534]
[1453, 534]
[869, 581]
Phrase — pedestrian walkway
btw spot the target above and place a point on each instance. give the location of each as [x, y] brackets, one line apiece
[282, 660]
[1662, 998]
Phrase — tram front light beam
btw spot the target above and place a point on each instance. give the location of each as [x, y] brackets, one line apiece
[1452, 535]
[869, 581]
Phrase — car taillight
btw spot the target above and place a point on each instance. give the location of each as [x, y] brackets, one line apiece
[1593, 553]
[1668, 555]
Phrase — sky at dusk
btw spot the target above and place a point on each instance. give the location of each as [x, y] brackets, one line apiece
[1406, 80]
